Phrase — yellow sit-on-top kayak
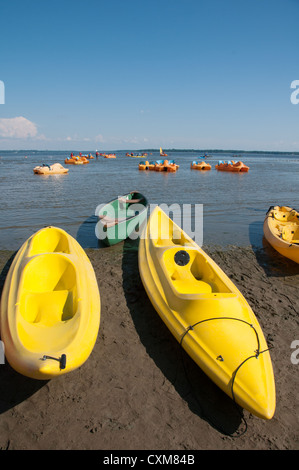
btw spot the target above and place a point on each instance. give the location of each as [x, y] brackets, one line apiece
[281, 230]
[50, 306]
[207, 314]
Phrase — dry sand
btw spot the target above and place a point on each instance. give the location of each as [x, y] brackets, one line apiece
[135, 391]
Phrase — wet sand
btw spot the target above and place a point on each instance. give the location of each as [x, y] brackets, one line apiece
[139, 390]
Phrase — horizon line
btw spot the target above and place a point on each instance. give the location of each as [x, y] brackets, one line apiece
[205, 150]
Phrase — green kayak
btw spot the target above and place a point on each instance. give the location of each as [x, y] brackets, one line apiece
[121, 218]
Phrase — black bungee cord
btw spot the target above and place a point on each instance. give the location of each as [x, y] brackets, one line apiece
[256, 355]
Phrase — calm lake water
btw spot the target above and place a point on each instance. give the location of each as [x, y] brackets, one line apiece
[234, 205]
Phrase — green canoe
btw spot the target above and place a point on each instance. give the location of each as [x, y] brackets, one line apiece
[121, 218]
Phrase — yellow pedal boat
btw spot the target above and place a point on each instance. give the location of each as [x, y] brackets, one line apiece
[50, 306]
[281, 230]
[207, 314]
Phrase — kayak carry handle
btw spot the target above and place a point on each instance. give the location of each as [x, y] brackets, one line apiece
[61, 360]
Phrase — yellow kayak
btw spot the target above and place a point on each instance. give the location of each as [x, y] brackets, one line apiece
[50, 306]
[207, 314]
[281, 230]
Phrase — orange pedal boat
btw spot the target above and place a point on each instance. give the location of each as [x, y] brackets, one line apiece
[200, 166]
[75, 161]
[109, 155]
[166, 165]
[231, 165]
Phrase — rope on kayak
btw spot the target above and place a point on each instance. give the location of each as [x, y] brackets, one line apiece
[235, 373]
[256, 355]
[191, 327]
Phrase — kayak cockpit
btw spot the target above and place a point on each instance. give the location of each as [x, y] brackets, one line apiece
[48, 300]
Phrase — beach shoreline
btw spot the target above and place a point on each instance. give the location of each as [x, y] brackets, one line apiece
[135, 390]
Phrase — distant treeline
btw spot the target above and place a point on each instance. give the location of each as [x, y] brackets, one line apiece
[209, 151]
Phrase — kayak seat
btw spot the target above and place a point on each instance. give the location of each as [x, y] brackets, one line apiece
[290, 233]
[49, 290]
[192, 286]
[173, 242]
[179, 265]
[47, 308]
[288, 216]
[49, 241]
[279, 216]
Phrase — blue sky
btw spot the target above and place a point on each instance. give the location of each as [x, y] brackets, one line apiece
[143, 74]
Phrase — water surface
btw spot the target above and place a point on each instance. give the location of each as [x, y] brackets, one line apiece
[234, 205]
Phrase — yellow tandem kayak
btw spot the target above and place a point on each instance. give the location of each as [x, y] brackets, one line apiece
[207, 314]
[281, 230]
[50, 306]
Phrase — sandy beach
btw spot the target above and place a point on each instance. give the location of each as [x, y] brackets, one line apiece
[138, 390]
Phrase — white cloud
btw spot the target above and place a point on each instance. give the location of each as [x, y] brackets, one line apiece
[131, 140]
[75, 138]
[18, 127]
[41, 137]
[99, 138]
